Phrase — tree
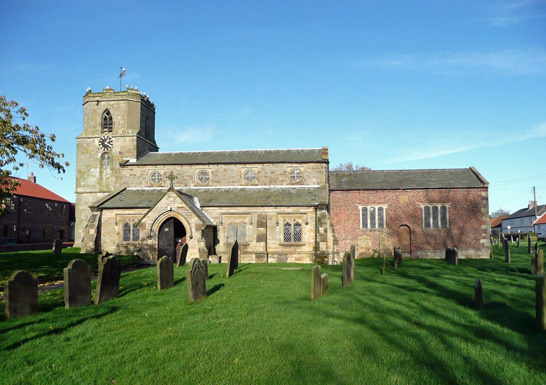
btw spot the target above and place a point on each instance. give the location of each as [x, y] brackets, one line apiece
[349, 167]
[23, 138]
[499, 213]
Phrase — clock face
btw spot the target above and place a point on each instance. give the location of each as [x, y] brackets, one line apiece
[106, 143]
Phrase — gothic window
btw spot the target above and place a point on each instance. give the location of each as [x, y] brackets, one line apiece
[105, 159]
[373, 217]
[203, 176]
[130, 231]
[107, 122]
[292, 231]
[295, 175]
[435, 216]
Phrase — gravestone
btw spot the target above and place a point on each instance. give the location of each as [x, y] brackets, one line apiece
[102, 257]
[324, 284]
[108, 280]
[353, 256]
[165, 273]
[540, 302]
[534, 264]
[506, 251]
[452, 256]
[348, 268]
[529, 244]
[57, 247]
[215, 259]
[478, 296]
[205, 264]
[20, 295]
[316, 290]
[536, 247]
[397, 261]
[233, 261]
[195, 276]
[77, 284]
[518, 242]
[540, 262]
[182, 254]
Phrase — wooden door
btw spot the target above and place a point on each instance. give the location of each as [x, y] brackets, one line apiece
[404, 238]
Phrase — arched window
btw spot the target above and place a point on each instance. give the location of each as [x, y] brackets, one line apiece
[105, 159]
[107, 122]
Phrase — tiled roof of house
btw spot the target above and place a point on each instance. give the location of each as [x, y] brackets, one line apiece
[406, 179]
[541, 220]
[312, 155]
[31, 189]
[527, 212]
[496, 222]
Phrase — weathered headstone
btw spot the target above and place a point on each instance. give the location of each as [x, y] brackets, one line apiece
[182, 254]
[215, 259]
[102, 257]
[324, 284]
[452, 256]
[507, 251]
[353, 257]
[534, 263]
[540, 302]
[233, 261]
[397, 261]
[315, 282]
[195, 276]
[478, 296]
[108, 280]
[518, 242]
[165, 273]
[57, 248]
[540, 262]
[20, 295]
[205, 264]
[348, 268]
[529, 244]
[77, 284]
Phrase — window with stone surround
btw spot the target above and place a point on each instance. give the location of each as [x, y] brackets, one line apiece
[156, 178]
[292, 230]
[435, 216]
[295, 175]
[130, 232]
[249, 175]
[373, 217]
[203, 177]
[236, 231]
[107, 123]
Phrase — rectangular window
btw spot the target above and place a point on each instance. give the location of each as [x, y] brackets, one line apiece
[373, 217]
[9, 204]
[435, 216]
[130, 231]
[63, 210]
[292, 230]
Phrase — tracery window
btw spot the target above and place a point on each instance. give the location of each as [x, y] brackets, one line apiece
[130, 231]
[203, 176]
[372, 217]
[435, 216]
[107, 122]
[250, 176]
[292, 230]
[295, 175]
[156, 177]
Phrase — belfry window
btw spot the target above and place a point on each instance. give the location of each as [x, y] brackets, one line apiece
[107, 122]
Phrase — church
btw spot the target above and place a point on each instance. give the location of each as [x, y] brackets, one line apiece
[279, 205]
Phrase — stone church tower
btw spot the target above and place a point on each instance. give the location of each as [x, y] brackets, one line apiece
[117, 127]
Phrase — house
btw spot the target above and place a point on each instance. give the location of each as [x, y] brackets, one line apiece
[540, 226]
[522, 220]
[496, 224]
[421, 211]
[277, 204]
[35, 214]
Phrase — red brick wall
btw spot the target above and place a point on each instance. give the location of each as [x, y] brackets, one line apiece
[468, 216]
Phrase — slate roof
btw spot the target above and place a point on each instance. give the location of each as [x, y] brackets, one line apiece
[31, 189]
[406, 179]
[312, 155]
[221, 197]
[527, 212]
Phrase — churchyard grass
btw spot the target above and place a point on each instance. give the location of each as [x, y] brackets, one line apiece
[413, 325]
[44, 266]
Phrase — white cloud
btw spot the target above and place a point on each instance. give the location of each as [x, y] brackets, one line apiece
[502, 62]
[190, 135]
[507, 13]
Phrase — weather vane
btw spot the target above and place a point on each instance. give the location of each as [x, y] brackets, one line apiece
[122, 74]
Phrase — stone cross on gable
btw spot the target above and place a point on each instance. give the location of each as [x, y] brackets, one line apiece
[171, 177]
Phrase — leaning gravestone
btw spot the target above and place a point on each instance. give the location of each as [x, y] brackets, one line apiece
[77, 284]
[20, 295]
[540, 262]
[397, 261]
[478, 296]
[165, 273]
[233, 261]
[182, 254]
[102, 257]
[57, 247]
[348, 268]
[540, 302]
[324, 284]
[315, 282]
[205, 264]
[197, 285]
[108, 280]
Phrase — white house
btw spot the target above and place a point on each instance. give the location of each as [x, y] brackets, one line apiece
[523, 220]
[540, 226]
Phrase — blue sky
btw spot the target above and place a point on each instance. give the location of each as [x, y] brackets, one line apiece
[386, 84]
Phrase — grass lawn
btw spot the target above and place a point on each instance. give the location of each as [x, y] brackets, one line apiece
[415, 325]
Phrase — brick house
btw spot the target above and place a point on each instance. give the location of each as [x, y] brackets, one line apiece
[421, 211]
[35, 214]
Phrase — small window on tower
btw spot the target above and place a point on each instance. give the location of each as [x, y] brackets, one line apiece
[106, 122]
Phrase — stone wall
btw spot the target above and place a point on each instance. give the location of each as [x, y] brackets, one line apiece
[468, 221]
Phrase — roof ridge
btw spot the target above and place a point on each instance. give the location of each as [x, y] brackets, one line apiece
[247, 150]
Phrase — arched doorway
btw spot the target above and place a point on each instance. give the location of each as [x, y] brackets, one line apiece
[170, 234]
[404, 238]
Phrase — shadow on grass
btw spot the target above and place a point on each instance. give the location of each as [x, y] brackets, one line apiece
[215, 288]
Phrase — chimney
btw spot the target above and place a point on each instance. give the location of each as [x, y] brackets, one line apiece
[532, 204]
[32, 178]
[324, 153]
